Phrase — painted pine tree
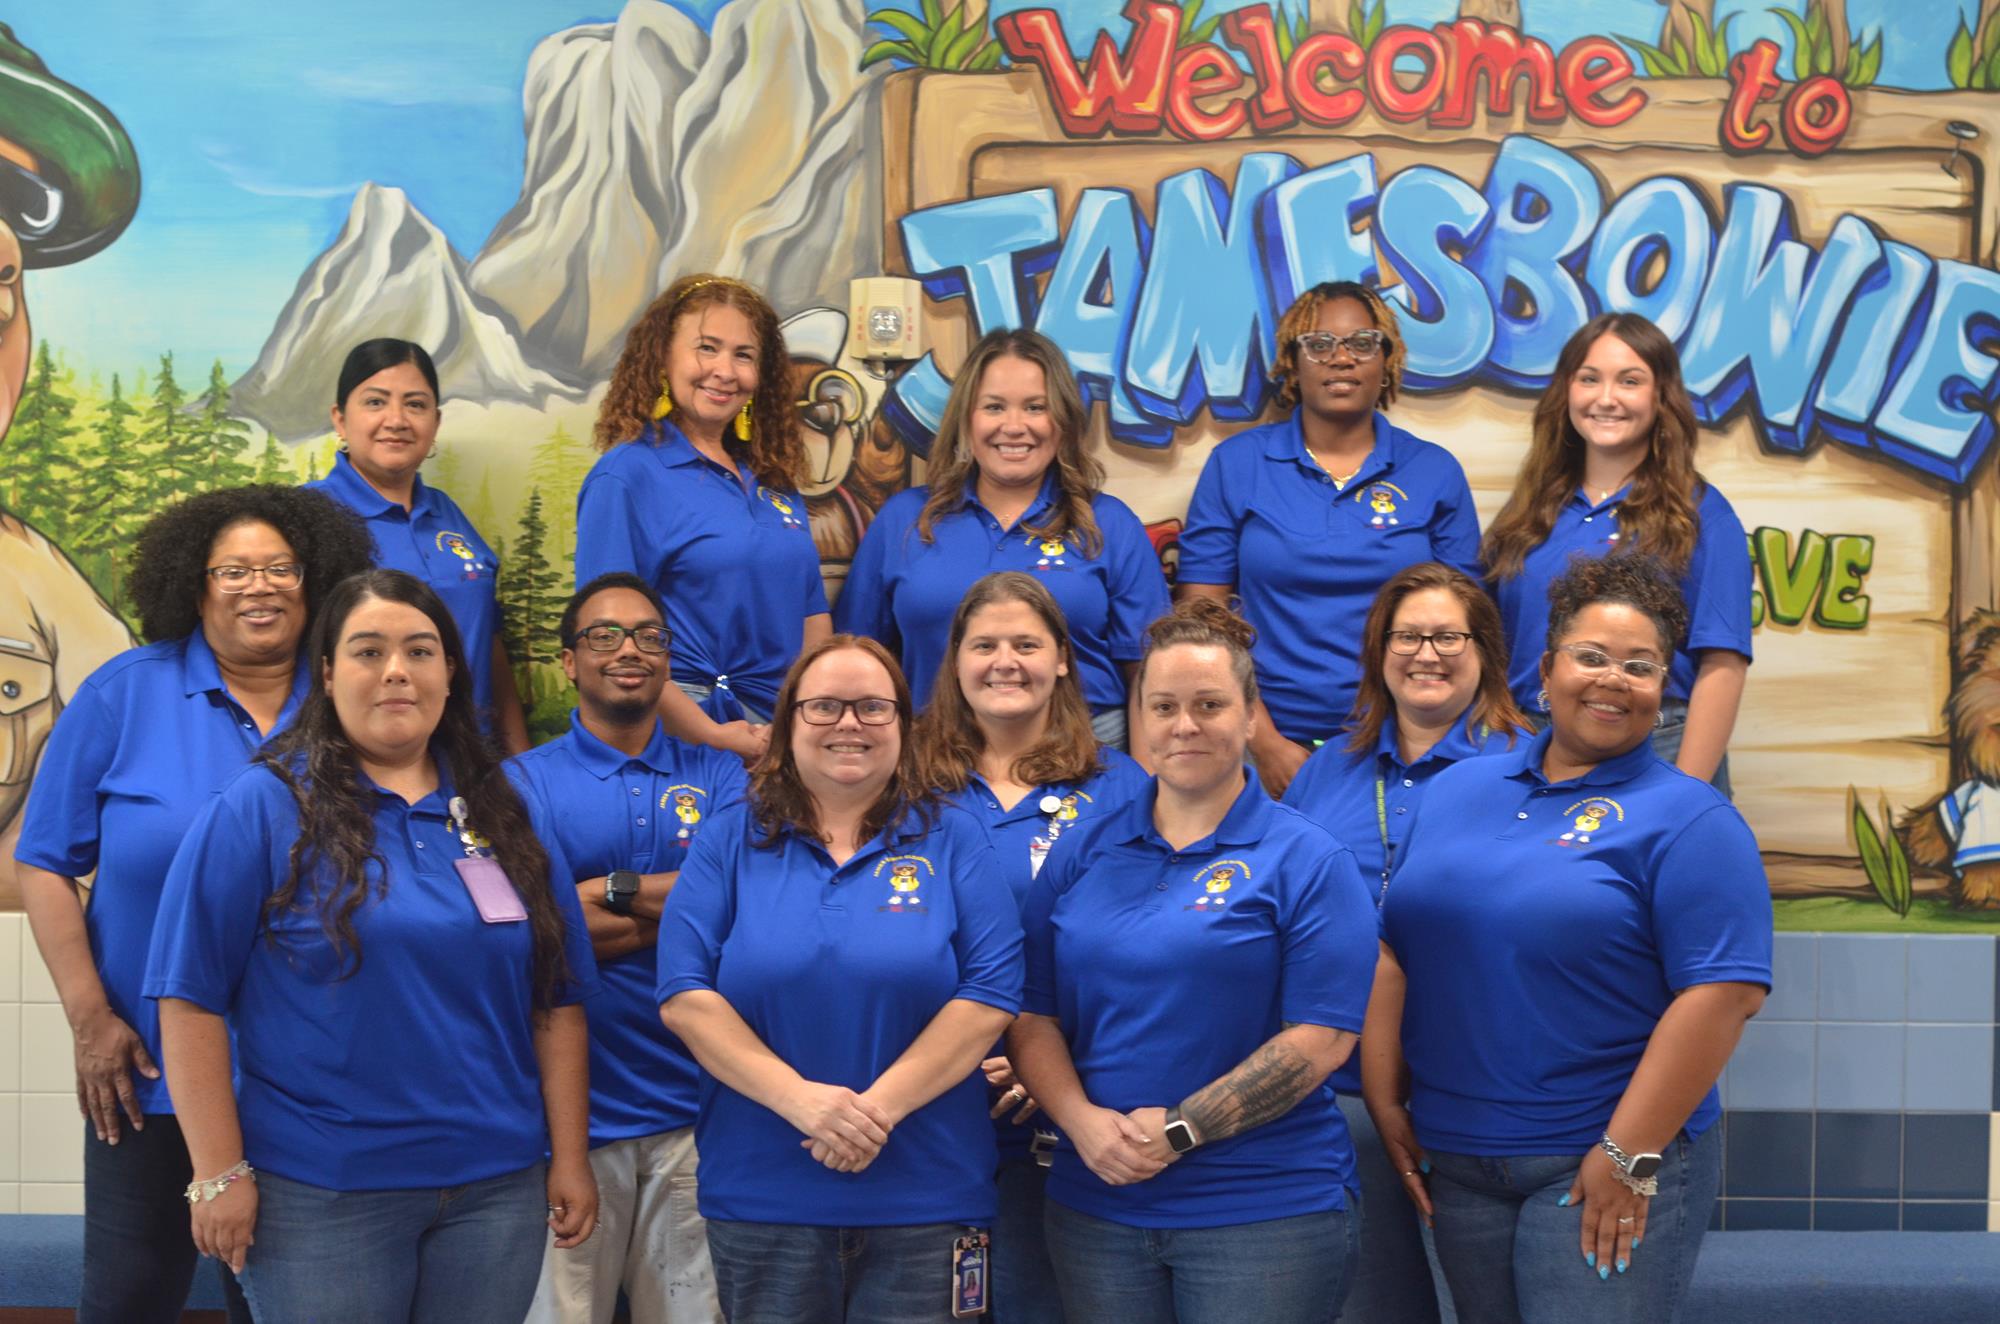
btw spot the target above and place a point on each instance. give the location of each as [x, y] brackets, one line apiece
[108, 510]
[37, 468]
[221, 438]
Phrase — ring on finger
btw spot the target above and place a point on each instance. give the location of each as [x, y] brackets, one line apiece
[1625, 1220]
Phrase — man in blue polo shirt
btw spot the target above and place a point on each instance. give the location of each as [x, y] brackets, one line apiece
[627, 801]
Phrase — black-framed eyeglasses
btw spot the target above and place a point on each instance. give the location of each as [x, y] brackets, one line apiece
[1638, 670]
[868, 712]
[283, 577]
[1447, 643]
[1321, 346]
[610, 638]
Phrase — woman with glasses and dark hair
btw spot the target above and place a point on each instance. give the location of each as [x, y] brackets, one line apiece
[1433, 692]
[226, 584]
[1008, 739]
[386, 411]
[368, 927]
[1610, 469]
[1011, 488]
[839, 954]
[1302, 520]
[1573, 939]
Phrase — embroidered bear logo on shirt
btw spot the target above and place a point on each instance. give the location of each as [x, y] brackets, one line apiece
[685, 801]
[1216, 881]
[905, 883]
[1053, 551]
[1588, 818]
[1382, 499]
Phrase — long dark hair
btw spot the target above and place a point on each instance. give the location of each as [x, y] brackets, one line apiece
[331, 859]
[779, 800]
[1492, 707]
[948, 737]
[378, 355]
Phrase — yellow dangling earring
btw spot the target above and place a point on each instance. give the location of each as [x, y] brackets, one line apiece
[743, 422]
[665, 404]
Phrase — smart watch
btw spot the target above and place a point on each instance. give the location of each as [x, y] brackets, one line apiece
[620, 887]
[1635, 1170]
[1180, 1136]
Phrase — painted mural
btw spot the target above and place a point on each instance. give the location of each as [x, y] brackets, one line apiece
[1800, 192]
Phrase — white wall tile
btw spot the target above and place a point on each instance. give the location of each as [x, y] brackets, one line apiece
[10, 1138]
[51, 1139]
[48, 1053]
[10, 1198]
[1993, 1217]
[10, 1048]
[52, 1197]
[11, 927]
[36, 986]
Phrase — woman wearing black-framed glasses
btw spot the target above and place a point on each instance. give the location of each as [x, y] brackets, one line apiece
[1303, 519]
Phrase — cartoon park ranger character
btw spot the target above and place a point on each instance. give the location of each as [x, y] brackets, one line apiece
[69, 184]
[903, 880]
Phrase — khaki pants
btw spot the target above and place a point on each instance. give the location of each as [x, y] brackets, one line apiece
[650, 1240]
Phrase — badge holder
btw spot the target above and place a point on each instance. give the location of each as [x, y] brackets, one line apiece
[491, 890]
[969, 1276]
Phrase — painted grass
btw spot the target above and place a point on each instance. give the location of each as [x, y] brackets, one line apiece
[1839, 914]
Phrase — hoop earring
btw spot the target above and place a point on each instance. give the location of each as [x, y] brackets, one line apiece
[665, 404]
[743, 421]
[1660, 719]
[1542, 700]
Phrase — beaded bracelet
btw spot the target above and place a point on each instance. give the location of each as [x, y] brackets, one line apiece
[200, 1192]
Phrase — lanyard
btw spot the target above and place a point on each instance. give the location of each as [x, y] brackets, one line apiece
[1039, 847]
[1382, 824]
[476, 846]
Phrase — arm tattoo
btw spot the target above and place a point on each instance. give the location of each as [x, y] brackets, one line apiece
[1266, 1085]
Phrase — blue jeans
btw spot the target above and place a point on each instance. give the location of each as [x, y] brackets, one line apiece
[444, 1255]
[1282, 1271]
[138, 1256]
[1514, 1256]
[1394, 1279]
[1024, 1281]
[1111, 727]
[788, 1273]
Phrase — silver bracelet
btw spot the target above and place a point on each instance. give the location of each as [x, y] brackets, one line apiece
[201, 1192]
[1646, 1186]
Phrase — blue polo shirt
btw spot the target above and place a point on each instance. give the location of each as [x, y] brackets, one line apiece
[416, 1070]
[1367, 801]
[1023, 838]
[905, 591]
[148, 740]
[612, 811]
[1716, 587]
[1544, 928]
[838, 969]
[1306, 559]
[435, 541]
[1167, 968]
[733, 559]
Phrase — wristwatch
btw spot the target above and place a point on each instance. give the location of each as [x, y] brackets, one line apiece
[1637, 1171]
[1180, 1135]
[620, 886]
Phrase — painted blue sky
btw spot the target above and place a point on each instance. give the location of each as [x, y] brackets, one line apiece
[255, 123]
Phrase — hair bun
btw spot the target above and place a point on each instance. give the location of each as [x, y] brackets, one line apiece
[1193, 616]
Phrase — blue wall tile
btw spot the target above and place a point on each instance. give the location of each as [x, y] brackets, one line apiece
[1944, 1156]
[1950, 1068]
[1773, 1066]
[1856, 1215]
[1768, 1215]
[1794, 992]
[1863, 976]
[1962, 1216]
[1858, 1156]
[1951, 978]
[1768, 1154]
[1859, 1067]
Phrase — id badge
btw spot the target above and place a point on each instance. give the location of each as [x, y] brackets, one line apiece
[1038, 854]
[968, 1275]
[495, 896]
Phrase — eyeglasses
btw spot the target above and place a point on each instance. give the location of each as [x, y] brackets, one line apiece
[1595, 661]
[283, 577]
[1448, 643]
[868, 712]
[1321, 346]
[610, 638]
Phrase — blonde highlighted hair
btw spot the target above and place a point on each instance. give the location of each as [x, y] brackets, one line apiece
[1303, 316]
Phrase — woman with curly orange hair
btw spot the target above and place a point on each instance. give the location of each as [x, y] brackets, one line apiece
[697, 494]
[1305, 518]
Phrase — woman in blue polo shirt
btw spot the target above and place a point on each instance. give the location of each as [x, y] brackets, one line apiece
[226, 583]
[1610, 468]
[697, 494]
[1007, 738]
[386, 411]
[367, 921]
[1198, 963]
[839, 954]
[1574, 938]
[1012, 490]
[1302, 520]
[1433, 691]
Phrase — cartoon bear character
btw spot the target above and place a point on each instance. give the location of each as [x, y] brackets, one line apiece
[1053, 550]
[687, 812]
[903, 878]
[1068, 811]
[1590, 820]
[1218, 883]
[1958, 831]
[1383, 502]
